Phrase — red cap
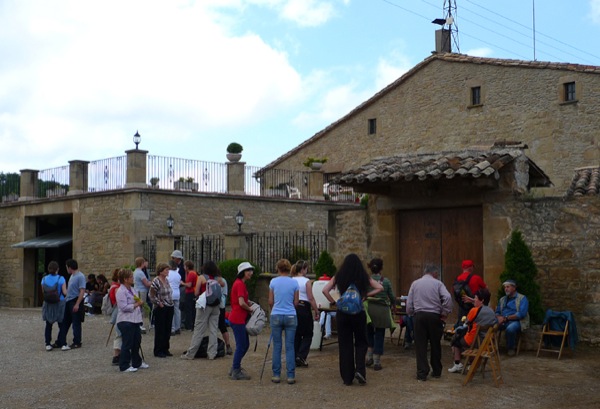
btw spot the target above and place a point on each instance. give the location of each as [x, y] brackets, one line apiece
[467, 263]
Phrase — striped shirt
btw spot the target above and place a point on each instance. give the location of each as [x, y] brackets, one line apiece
[161, 292]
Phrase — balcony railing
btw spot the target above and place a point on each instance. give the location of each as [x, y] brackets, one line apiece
[186, 175]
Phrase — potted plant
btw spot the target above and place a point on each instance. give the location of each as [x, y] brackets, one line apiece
[234, 152]
[186, 184]
[154, 182]
[314, 163]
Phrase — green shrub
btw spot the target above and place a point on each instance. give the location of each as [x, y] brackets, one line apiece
[234, 147]
[325, 265]
[297, 253]
[519, 266]
[229, 272]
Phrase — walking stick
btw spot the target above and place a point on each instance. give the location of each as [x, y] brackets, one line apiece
[265, 361]
[109, 334]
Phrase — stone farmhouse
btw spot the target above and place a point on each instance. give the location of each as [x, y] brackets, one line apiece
[451, 157]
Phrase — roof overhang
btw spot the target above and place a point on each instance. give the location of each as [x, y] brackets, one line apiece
[51, 240]
[469, 164]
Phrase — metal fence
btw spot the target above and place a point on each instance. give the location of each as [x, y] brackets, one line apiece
[265, 249]
[107, 174]
[202, 249]
[53, 182]
[186, 174]
[10, 187]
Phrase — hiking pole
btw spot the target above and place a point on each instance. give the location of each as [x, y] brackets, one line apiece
[109, 334]
[265, 361]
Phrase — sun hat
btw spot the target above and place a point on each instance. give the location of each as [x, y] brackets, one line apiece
[177, 254]
[510, 282]
[245, 266]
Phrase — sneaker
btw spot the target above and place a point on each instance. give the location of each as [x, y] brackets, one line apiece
[87, 304]
[75, 346]
[115, 360]
[240, 375]
[48, 347]
[186, 356]
[360, 378]
[275, 379]
[65, 348]
[369, 362]
[301, 362]
[229, 350]
[327, 337]
[144, 365]
[456, 368]
[291, 381]
[130, 369]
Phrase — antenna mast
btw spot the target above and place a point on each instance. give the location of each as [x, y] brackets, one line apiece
[448, 35]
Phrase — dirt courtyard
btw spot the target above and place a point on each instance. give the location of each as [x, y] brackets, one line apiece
[30, 377]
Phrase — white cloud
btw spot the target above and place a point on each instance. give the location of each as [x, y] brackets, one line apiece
[480, 52]
[391, 68]
[308, 12]
[595, 11]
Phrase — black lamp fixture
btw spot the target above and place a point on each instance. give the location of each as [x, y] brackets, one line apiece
[137, 139]
[239, 219]
[170, 224]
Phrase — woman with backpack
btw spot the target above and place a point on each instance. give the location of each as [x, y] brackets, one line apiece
[380, 315]
[352, 324]
[54, 288]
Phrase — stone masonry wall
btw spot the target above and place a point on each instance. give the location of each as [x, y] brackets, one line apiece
[429, 112]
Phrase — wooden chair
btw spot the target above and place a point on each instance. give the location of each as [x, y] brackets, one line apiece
[548, 332]
[482, 352]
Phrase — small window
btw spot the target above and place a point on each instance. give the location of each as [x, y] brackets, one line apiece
[372, 126]
[569, 90]
[476, 96]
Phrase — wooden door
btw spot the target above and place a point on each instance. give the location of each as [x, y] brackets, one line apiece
[442, 237]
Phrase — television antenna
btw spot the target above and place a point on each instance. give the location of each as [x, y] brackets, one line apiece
[449, 26]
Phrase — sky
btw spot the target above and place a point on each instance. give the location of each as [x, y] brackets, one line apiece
[78, 78]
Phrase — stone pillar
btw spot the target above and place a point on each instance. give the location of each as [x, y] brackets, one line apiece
[236, 246]
[315, 185]
[28, 184]
[78, 177]
[236, 178]
[165, 244]
[136, 168]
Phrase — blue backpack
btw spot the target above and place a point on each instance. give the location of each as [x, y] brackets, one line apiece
[350, 302]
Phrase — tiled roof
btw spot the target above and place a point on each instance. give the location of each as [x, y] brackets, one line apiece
[585, 182]
[449, 57]
[448, 165]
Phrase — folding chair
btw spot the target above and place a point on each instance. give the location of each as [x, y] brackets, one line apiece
[486, 351]
[555, 332]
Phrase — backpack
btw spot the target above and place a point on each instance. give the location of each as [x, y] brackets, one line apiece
[350, 302]
[257, 320]
[202, 350]
[213, 292]
[51, 293]
[460, 288]
[107, 307]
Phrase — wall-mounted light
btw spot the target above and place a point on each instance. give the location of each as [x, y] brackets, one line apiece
[239, 219]
[137, 139]
[170, 224]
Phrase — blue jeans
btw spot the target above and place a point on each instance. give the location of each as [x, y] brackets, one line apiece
[375, 338]
[70, 318]
[513, 329]
[242, 343]
[279, 324]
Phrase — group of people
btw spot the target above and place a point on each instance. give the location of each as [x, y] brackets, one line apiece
[293, 314]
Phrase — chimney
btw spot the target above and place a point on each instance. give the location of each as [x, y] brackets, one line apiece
[442, 41]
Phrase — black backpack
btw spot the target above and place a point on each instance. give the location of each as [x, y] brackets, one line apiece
[460, 288]
[202, 351]
[51, 293]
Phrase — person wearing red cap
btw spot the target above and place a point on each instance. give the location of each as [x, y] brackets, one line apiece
[467, 283]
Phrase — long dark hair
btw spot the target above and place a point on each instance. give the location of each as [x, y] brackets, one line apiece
[352, 271]
[210, 268]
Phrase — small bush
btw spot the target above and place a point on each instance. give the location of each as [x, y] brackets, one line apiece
[229, 272]
[234, 147]
[325, 265]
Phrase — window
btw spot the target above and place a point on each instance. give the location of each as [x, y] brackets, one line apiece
[569, 91]
[476, 96]
[372, 126]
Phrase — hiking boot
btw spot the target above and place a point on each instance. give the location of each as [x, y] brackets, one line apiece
[229, 350]
[239, 375]
[456, 368]
[377, 367]
[75, 346]
[360, 378]
[275, 379]
[291, 381]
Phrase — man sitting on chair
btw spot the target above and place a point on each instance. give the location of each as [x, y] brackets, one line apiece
[479, 317]
[513, 314]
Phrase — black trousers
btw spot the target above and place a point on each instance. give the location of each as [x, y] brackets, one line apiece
[190, 310]
[352, 338]
[304, 330]
[429, 329]
[163, 319]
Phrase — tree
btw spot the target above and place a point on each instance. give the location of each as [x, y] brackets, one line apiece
[325, 265]
[519, 266]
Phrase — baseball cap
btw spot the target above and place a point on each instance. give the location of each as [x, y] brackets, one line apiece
[467, 264]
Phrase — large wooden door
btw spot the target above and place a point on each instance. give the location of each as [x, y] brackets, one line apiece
[442, 237]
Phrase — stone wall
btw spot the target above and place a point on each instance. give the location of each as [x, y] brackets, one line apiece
[429, 112]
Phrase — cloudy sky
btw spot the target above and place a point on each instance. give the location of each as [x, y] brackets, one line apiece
[78, 78]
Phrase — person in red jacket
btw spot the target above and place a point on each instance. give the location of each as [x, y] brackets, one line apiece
[475, 283]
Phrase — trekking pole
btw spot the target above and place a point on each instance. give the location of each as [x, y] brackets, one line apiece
[265, 361]
[109, 334]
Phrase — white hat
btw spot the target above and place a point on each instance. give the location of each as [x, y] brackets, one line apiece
[245, 266]
[177, 254]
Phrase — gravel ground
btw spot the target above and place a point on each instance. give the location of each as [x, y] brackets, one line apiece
[30, 377]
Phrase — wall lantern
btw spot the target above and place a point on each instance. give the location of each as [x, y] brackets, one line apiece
[137, 139]
[170, 224]
[239, 219]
